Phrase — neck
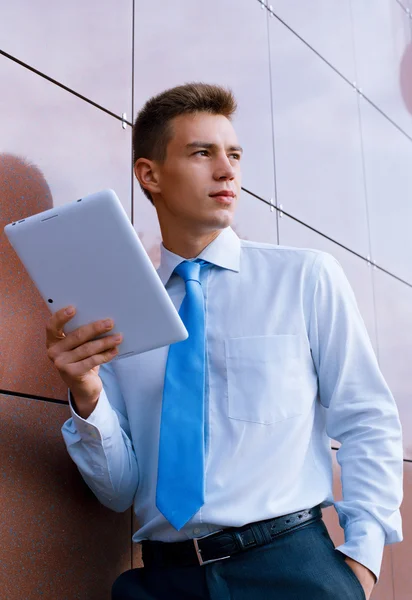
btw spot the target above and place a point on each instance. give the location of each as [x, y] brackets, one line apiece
[185, 239]
[187, 244]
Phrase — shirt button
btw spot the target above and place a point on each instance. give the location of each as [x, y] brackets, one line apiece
[196, 531]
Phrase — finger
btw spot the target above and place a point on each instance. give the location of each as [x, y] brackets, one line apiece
[77, 369]
[54, 327]
[77, 337]
[87, 350]
[85, 333]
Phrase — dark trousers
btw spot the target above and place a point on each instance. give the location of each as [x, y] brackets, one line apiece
[300, 565]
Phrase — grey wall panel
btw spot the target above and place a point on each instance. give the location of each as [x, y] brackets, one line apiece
[394, 318]
[383, 53]
[86, 46]
[215, 42]
[79, 148]
[318, 152]
[326, 25]
[388, 174]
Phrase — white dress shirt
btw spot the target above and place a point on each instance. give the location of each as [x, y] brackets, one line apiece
[289, 366]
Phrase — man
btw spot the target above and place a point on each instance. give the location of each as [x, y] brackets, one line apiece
[222, 442]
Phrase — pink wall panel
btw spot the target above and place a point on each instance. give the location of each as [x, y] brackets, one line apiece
[402, 553]
[137, 550]
[86, 46]
[57, 541]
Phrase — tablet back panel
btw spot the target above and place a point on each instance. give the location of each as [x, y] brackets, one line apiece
[87, 253]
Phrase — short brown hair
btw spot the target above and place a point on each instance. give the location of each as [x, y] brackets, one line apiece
[151, 129]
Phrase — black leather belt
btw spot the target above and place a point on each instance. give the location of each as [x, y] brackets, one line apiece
[224, 543]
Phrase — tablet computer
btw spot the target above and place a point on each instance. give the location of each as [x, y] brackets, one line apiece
[87, 253]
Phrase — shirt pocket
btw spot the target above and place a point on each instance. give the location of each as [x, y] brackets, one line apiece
[264, 378]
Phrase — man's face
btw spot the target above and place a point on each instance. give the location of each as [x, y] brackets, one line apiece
[202, 160]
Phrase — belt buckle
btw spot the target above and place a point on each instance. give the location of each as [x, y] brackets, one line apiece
[199, 552]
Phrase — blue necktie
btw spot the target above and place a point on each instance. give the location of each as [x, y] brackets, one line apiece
[180, 478]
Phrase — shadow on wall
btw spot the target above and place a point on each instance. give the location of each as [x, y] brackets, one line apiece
[24, 365]
[58, 541]
[405, 77]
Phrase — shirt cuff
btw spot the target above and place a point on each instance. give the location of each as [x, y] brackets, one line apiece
[99, 425]
[365, 541]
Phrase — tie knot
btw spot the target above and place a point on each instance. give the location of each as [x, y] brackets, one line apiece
[189, 270]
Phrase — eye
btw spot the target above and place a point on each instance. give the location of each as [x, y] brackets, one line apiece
[236, 155]
[202, 152]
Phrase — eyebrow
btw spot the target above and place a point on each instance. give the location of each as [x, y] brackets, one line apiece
[211, 146]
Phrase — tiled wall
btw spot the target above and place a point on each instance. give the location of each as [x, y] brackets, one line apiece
[325, 116]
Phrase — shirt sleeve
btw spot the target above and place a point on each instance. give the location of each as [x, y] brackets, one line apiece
[361, 414]
[101, 446]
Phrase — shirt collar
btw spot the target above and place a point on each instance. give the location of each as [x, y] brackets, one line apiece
[223, 252]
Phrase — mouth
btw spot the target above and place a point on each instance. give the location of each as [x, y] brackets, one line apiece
[224, 197]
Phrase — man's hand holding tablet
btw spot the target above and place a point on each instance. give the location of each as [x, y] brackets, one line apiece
[78, 356]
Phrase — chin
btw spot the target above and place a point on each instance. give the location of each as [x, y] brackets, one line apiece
[221, 221]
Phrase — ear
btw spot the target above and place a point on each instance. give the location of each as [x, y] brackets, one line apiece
[147, 175]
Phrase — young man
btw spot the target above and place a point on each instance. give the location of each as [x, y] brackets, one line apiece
[222, 442]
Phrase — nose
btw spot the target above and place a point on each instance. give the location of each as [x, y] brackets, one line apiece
[224, 170]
